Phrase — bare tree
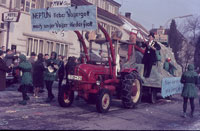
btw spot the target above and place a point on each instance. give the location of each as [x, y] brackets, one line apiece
[191, 28]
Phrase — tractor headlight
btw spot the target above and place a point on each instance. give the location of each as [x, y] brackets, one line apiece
[98, 83]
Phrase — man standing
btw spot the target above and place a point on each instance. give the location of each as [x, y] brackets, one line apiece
[3, 48]
[61, 71]
[150, 58]
[46, 57]
[9, 57]
[50, 75]
[3, 70]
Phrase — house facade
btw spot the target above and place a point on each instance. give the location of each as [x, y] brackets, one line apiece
[64, 43]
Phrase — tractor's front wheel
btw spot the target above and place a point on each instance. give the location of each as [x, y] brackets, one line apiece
[131, 90]
[65, 96]
[103, 101]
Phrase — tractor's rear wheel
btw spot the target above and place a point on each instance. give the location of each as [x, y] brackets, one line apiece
[65, 96]
[103, 101]
[153, 96]
[131, 90]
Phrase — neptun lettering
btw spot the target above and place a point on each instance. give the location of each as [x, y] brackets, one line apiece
[41, 15]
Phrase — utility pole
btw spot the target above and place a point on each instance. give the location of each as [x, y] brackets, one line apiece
[8, 26]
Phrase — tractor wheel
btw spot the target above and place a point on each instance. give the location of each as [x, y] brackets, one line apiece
[103, 101]
[153, 96]
[131, 90]
[65, 96]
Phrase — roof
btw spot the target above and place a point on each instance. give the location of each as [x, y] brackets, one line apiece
[114, 2]
[131, 26]
[103, 14]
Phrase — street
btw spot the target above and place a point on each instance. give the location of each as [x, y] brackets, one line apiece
[38, 115]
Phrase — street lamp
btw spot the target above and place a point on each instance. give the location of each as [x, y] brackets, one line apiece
[166, 24]
[8, 26]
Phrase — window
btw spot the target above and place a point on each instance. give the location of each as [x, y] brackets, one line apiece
[66, 50]
[62, 49]
[48, 3]
[33, 4]
[29, 46]
[45, 47]
[57, 48]
[3, 2]
[27, 6]
[17, 4]
[35, 46]
[49, 47]
[22, 5]
[101, 4]
[41, 46]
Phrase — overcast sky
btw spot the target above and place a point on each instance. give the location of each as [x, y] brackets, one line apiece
[159, 12]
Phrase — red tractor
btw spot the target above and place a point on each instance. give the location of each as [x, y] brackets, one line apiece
[97, 81]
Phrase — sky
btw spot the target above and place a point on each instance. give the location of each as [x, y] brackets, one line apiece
[156, 13]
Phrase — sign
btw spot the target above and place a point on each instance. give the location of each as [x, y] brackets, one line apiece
[10, 16]
[66, 18]
[171, 86]
[61, 3]
[161, 38]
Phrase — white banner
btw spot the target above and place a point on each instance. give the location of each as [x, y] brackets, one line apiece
[64, 18]
[171, 86]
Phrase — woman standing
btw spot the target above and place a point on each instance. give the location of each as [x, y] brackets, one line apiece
[26, 78]
[189, 79]
[38, 74]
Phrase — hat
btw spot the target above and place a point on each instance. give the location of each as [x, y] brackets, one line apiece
[168, 59]
[151, 34]
[22, 57]
[33, 54]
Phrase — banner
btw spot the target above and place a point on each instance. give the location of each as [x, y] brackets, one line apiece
[171, 86]
[65, 18]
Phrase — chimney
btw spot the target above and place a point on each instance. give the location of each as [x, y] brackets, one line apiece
[128, 15]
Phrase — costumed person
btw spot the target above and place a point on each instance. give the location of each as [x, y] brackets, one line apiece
[61, 71]
[169, 67]
[150, 57]
[38, 75]
[190, 80]
[50, 75]
[69, 67]
[26, 79]
[3, 70]
[32, 61]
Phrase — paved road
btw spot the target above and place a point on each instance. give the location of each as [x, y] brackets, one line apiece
[165, 114]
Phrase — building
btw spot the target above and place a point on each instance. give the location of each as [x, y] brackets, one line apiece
[161, 35]
[64, 43]
[21, 34]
